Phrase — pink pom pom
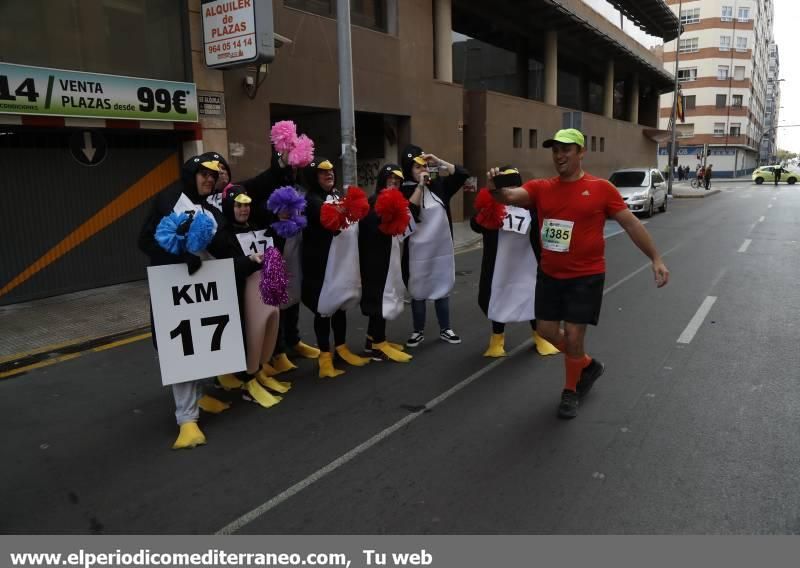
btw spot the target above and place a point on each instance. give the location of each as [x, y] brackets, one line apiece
[302, 152]
[283, 136]
[274, 279]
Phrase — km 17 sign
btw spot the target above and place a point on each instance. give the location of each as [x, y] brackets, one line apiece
[196, 320]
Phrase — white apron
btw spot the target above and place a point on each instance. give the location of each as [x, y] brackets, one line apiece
[514, 279]
[341, 289]
[431, 257]
[394, 292]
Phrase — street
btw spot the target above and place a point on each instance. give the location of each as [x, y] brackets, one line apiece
[693, 429]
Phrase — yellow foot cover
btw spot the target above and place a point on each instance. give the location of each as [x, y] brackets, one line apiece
[189, 437]
[306, 351]
[544, 347]
[229, 382]
[496, 346]
[350, 357]
[392, 353]
[395, 346]
[273, 383]
[212, 405]
[326, 368]
[261, 395]
[269, 369]
[281, 364]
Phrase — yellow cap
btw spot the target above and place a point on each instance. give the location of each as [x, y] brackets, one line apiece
[566, 136]
[243, 198]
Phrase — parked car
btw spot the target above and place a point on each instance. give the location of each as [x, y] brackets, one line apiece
[767, 173]
[642, 189]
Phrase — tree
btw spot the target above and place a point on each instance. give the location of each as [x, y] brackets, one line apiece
[785, 155]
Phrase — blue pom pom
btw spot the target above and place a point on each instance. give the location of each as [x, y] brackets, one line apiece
[166, 235]
[200, 233]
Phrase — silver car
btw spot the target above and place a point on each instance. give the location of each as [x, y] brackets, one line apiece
[642, 189]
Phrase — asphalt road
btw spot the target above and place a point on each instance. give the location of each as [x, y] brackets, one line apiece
[692, 436]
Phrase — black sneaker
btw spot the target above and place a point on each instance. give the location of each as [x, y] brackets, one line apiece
[569, 404]
[449, 336]
[416, 338]
[589, 375]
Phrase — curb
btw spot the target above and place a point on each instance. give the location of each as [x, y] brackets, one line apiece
[467, 245]
[703, 195]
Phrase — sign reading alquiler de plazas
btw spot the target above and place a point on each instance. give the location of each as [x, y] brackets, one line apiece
[229, 32]
[58, 92]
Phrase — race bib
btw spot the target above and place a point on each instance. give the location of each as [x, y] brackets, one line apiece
[556, 235]
[517, 220]
[254, 242]
[412, 226]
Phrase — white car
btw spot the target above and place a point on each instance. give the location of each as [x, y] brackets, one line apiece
[642, 189]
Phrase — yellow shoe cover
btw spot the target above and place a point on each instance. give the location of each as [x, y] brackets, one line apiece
[229, 382]
[350, 357]
[326, 368]
[273, 383]
[212, 405]
[281, 364]
[544, 347]
[396, 346]
[392, 353]
[260, 394]
[269, 369]
[306, 351]
[496, 346]
[189, 437]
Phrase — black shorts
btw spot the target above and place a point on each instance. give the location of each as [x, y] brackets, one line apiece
[573, 300]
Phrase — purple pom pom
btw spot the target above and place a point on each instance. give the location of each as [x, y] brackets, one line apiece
[288, 228]
[274, 279]
[286, 199]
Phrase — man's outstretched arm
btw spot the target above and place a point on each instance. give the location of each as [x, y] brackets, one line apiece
[642, 239]
[507, 195]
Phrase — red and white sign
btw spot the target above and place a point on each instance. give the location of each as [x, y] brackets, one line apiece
[229, 31]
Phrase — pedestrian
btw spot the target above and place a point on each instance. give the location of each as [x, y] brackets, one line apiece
[707, 174]
[188, 203]
[429, 254]
[511, 254]
[572, 208]
[700, 173]
[380, 236]
[680, 173]
[778, 170]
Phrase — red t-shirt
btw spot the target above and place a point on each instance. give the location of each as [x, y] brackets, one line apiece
[586, 203]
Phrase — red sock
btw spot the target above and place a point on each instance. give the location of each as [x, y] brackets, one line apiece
[574, 366]
[561, 345]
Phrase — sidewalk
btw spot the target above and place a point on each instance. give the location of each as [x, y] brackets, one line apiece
[33, 331]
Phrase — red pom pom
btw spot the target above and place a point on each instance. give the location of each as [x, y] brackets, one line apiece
[355, 204]
[332, 217]
[392, 208]
[490, 213]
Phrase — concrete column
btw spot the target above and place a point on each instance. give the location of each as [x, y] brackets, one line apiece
[522, 69]
[443, 40]
[551, 68]
[633, 109]
[608, 93]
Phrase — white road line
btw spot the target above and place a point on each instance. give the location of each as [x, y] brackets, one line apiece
[267, 506]
[691, 329]
[761, 219]
[745, 244]
[752, 227]
[769, 206]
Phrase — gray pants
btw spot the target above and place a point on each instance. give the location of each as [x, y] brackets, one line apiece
[186, 396]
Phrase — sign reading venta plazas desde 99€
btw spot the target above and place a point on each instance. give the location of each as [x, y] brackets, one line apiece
[57, 92]
[229, 32]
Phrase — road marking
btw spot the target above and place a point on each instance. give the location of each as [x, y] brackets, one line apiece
[39, 365]
[691, 329]
[121, 342]
[252, 515]
[745, 244]
[769, 206]
[752, 227]
[761, 219]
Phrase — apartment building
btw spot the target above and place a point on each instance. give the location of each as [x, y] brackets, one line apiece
[723, 66]
[769, 142]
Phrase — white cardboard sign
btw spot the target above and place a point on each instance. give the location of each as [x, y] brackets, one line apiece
[229, 31]
[196, 321]
[254, 242]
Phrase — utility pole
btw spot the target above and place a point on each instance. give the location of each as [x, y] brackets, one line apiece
[346, 105]
[674, 118]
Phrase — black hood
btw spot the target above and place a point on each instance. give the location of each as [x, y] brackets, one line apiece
[309, 175]
[232, 191]
[384, 173]
[407, 160]
[189, 171]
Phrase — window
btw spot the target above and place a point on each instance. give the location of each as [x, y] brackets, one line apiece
[727, 13]
[741, 43]
[533, 138]
[691, 16]
[602, 144]
[687, 74]
[719, 129]
[365, 13]
[594, 143]
[725, 43]
[689, 102]
[736, 129]
[723, 72]
[736, 101]
[572, 120]
[517, 137]
[738, 72]
[744, 14]
[688, 45]
[721, 101]
[685, 130]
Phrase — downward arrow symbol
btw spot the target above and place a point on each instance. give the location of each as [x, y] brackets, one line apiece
[88, 150]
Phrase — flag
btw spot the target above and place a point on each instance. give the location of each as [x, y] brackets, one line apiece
[680, 107]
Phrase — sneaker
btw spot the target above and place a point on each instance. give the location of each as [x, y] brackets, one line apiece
[569, 404]
[589, 375]
[449, 336]
[416, 338]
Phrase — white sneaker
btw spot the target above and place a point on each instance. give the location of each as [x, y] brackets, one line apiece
[415, 339]
[449, 336]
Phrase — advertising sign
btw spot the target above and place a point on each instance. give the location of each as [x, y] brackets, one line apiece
[56, 92]
[237, 32]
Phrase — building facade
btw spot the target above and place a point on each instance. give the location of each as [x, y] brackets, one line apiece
[422, 73]
[723, 56]
[769, 140]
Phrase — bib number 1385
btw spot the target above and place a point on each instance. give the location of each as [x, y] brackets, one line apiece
[557, 235]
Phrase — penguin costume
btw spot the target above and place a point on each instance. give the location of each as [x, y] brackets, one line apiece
[198, 177]
[511, 253]
[237, 239]
[429, 255]
[380, 255]
[331, 277]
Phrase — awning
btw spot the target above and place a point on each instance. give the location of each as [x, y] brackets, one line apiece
[652, 16]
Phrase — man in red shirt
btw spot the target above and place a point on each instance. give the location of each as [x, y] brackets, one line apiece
[572, 209]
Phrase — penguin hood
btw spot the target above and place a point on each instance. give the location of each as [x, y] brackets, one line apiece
[411, 154]
[383, 175]
[208, 160]
[310, 172]
[231, 195]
